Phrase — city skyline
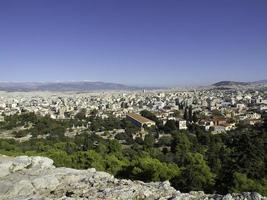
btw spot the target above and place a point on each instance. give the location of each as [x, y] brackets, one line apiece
[151, 43]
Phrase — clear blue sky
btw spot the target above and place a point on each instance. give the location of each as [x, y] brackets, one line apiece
[138, 42]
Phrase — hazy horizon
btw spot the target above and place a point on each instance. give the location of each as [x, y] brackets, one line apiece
[130, 85]
[142, 43]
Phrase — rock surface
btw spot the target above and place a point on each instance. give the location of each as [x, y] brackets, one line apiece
[36, 178]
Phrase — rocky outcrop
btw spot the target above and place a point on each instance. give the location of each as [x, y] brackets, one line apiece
[37, 178]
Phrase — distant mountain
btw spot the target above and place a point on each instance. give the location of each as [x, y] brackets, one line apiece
[260, 82]
[62, 86]
[236, 84]
[229, 83]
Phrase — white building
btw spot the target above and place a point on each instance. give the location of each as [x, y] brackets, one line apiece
[2, 118]
[182, 124]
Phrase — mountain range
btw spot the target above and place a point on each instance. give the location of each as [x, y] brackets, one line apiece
[63, 86]
[83, 86]
[236, 83]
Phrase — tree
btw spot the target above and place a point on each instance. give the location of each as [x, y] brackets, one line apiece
[170, 126]
[186, 113]
[149, 140]
[235, 161]
[125, 136]
[195, 117]
[180, 146]
[243, 184]
[114, 147]
[61, 158]
[88, 159]
[180, 143]
[213, 156]
[195, 176]
[114, 165]
[190, 114]
[249, 153]
[6, 145]
[102, 148]
[165, 141]
[149, 169]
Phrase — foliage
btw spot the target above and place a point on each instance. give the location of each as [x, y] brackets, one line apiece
[196, 174]
[243, 184]
[146, 168]
[170, 126]
[191, 160]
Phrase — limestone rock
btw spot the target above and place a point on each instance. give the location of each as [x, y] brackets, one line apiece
[20, 163]
[4, 168]
[42, 162]
[25, 178]
[47, 182]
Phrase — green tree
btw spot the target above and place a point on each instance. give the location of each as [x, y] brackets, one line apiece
[149, 169]
[114, 147]
[88, 159]
[180, 146]
[114, 165]
[61, 158]
[149, 140]
[165, 141]
[190, 114]
[196, 175]
[186, 113]
[195, 117]
[170, 126]
[243, 184]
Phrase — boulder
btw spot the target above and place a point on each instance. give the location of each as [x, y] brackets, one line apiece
[20, 163]
[25, 178]
[17, 189]
[45, 183]
[42, 162]
[4, 168]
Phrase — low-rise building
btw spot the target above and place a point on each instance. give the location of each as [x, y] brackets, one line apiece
[139, 120]
[2, 118]
[182, 124]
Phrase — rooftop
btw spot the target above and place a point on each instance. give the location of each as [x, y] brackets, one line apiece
[139, 118]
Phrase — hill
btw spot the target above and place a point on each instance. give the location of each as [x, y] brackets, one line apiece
[62, 86]
[260, 82]
[37, 178]
[230, 83]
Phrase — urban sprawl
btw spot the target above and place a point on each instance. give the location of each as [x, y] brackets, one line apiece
[215, 110]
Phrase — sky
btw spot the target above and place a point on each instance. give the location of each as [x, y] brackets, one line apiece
[135, 42]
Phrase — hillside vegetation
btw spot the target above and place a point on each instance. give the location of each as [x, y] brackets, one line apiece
[190, 160]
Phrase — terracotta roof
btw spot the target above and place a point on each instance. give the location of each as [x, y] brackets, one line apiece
[139, 118]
